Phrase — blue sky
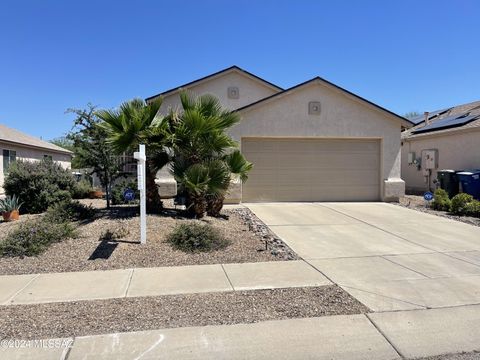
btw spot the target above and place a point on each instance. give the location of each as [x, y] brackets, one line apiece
[403, 55]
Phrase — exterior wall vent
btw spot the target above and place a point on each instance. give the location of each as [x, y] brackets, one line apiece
[233, 92]
[314, 108]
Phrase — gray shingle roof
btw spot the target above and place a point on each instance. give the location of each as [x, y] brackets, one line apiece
[14, 136]
[472, 108]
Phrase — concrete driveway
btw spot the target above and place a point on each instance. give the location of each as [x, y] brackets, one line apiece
[388, 257]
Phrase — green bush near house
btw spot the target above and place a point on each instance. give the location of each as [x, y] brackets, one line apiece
[67, 211]
[459, 203]
[441, 201]
[38, 184]
[82, 189]
[195, 237]
[34, 236]
[473, 208]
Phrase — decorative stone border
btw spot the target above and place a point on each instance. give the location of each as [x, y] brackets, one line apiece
[273, 243]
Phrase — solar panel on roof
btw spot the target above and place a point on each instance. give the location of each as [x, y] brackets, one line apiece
[448, 122]
[418, 119]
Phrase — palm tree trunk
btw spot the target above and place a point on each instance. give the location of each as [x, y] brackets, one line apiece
[199, 207]
[154, 203]
[215, 205]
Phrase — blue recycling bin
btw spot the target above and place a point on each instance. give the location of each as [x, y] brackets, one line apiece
[470, 182]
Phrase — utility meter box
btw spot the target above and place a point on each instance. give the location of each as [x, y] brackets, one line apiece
[411, 158]
[430, 159]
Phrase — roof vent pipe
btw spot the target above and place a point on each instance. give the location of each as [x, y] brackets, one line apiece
[427, 120]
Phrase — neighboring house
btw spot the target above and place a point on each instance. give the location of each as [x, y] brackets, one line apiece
[312, 142]
[442, 139]
[16, 145]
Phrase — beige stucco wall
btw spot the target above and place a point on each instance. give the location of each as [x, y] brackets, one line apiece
[342, 116]
[250, 90]
[457, 151]
[31, 154]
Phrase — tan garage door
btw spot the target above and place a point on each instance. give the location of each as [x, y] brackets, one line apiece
[312, 169]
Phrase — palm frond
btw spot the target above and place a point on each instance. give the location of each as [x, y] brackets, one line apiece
[208, 105]
[133, 123]
[238, 164]
[196, 179]
[187, 100]
[219, 177]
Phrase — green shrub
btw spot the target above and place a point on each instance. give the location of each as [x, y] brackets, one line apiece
[195, 237]
[119, 188]
[82, 189]
[473, 208]
[116, 234]
[66, 211]
[441, 201]
[34, 236]
[459, 203]
[38, 184]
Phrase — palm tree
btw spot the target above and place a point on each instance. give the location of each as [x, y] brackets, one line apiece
[238, 168]
[134, 123]
[205, 157]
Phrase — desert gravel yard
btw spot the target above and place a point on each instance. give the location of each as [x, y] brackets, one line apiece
[88, 252]
[144, 313]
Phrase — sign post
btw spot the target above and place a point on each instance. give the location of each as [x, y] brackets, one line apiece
[141, 157]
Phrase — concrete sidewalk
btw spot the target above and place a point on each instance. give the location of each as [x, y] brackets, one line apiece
[335, 337]
[377, 336]
[92, 285]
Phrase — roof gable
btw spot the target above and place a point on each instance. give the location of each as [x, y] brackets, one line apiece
[215, 75]
[19, 138]
[405, 122]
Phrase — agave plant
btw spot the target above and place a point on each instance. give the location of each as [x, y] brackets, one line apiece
[9, 204]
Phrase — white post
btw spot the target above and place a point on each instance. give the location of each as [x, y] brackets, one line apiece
[141, 174]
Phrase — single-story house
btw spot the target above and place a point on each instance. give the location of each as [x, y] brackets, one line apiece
[441, 139]
[312, 142]
[16, 145]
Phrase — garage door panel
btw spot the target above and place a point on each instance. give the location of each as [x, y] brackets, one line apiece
[368, 193]
[312, 169]
[345, 145]
[261, 193]
[260, 162]
[334, 176]
[262, 146]
[352, 160]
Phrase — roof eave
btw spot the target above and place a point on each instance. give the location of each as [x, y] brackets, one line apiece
[60, 151]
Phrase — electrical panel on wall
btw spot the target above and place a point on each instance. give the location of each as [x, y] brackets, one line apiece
[430, 159]
[411, 158]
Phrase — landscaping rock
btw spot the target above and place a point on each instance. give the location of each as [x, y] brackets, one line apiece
[145, 313]
[277, 247]
[111, 241]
